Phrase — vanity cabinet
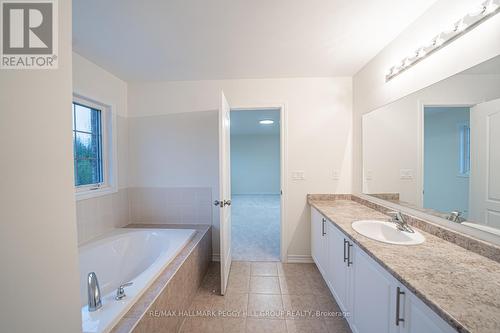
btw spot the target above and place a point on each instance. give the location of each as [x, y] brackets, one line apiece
[319, 250]
[374, 299]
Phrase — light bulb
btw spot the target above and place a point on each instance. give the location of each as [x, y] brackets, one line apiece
[491, 7]
[421, 53]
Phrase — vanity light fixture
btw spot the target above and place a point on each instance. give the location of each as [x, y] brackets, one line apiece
[462, 26]
[266, 122]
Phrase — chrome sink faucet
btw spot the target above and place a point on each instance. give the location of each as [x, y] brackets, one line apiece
[400, 221]
[93, 292]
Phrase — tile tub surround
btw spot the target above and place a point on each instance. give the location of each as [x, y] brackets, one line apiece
[265, 297]
[174, 288]
[461, 286]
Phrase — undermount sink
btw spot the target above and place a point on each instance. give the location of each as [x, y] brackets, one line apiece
[387, 232]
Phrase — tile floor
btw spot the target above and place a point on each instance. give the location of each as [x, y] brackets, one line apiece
[265, 297]
[255, 227]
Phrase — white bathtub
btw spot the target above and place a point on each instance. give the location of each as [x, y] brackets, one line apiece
[125, 255]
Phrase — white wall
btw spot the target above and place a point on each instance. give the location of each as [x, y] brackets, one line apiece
[173, 167]
[255, 164]
[318, 137]
[392, 135]
[38, 241]
[445, 189]
[370, 89]
[98, 215]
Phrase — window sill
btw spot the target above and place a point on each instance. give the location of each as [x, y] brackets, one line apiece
[88, 194]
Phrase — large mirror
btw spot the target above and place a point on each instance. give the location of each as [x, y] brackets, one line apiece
[438, 150]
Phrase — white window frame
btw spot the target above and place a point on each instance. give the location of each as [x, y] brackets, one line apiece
[108, 136]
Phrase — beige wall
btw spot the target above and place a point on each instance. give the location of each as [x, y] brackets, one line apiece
[98, 215]
[318, 136]
[372, 92]
[38, 241]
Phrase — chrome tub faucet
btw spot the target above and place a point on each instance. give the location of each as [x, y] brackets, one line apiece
[93, 292]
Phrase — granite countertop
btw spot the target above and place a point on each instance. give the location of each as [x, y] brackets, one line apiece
[461, 286]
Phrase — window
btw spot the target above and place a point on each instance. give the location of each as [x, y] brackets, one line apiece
[464, 152]
[87, 140]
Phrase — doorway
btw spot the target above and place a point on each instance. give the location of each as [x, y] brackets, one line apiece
[447, 154]
[256, 184]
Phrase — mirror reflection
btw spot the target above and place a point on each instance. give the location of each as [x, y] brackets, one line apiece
[438, 150]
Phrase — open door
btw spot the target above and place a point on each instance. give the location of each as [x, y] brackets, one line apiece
[485, 164]
[224, 201]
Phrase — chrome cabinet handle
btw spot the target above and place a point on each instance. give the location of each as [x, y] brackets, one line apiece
[323, 221]
[349, 261]
[398, 306]
[226, 203]
[217, 203]
[345, 252]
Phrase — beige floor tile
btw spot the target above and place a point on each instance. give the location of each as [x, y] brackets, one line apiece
[300, 306]
[295, 285]
[337, 325]
[265, 285]
[265, 326]
[326, 302]
[205, 302]
[306, 326]
[265, 306]
[234, 325]
[210, 285]
[238, 282]
[236, 302]
[240, 267]
[290, 269]
[202, 325]
[264, 269]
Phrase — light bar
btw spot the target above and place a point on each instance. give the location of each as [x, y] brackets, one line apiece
[462, 26]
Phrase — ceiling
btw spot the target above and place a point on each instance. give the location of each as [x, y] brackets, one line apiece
[227, 39]
[247, 122]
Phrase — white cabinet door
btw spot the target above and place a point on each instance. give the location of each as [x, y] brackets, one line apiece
[338, 273]
[315, 235]
[418, 317]
[373, 295]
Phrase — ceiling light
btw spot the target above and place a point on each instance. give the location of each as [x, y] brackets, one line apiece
[462, 26]
[266, 122]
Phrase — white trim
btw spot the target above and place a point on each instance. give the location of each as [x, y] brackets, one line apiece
[283, 165]
[109, 153]
[299, 259]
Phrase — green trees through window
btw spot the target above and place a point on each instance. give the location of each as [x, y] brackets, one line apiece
[87, 145]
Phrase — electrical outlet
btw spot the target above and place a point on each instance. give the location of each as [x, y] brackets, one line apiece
[406, 174]
[368, 175]
[298, 175]
[335, 174]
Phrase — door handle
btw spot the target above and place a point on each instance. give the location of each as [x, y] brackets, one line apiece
[226, 203]
[349, 262]
[398, 306]
[218, 203]
[323, 227]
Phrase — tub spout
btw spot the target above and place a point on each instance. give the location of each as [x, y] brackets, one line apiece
[94, 293]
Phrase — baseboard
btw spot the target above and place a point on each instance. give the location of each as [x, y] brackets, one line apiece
[216, 257]
[299, 259]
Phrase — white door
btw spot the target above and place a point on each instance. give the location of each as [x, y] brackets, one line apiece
[485, 164]
[224, 191]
